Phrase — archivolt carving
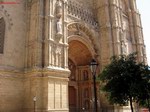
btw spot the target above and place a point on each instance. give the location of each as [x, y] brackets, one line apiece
[84, 32]
[76, 26]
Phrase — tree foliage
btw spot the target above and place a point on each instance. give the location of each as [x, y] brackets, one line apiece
[123, 80]
[144, 99]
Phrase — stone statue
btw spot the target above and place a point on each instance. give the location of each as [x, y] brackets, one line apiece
[59, 19]
[59, 27]
[59, 9]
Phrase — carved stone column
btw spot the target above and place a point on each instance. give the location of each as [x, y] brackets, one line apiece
[115, 15]
[49, 83]
[55, 69]
[106, 40]
[137, 32]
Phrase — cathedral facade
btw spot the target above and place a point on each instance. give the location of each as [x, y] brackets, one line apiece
[46, 47]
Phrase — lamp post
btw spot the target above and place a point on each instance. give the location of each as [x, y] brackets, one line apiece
[34, 101]
[93, 66]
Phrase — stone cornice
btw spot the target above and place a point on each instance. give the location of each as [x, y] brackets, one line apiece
[53, 72]
[11, 69]
[5, 74]
[11, 72]
[48, 72]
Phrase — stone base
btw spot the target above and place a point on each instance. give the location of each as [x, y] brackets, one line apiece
[50, 89]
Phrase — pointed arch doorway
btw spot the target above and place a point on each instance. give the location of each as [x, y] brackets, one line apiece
[80, 80]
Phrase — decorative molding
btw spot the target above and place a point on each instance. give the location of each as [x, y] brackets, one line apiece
[11, 72]
[6, 15]
[90, 34]
[51, 72]
[10, 68]
[76, 10]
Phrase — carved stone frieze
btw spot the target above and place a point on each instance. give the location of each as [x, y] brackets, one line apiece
[85, 14]
[56, 54]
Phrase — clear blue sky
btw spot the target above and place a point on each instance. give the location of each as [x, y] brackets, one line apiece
[144, 9]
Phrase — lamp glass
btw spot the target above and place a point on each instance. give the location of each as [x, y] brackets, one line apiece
[93, 66]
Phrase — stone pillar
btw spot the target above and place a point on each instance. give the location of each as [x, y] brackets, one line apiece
[115, 16]
[49, 82]
[50, 87]
[56, 59]
[56, 35]
[131, 25]
[137, 32]
[132, 4]
[106, 39]
[139, 37]
[34, 35]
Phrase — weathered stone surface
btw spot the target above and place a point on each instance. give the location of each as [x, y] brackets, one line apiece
[43, 36]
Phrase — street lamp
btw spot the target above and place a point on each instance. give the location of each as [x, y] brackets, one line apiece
[34, 100]
[93, 66]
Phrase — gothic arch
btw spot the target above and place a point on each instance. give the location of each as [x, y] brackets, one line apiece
[8, 20]
[85, 34]
[82, 40]
[5, 25]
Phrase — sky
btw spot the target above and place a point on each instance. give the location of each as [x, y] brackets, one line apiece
[144, 9]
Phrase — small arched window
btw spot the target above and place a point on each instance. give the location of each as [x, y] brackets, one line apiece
[2, 34]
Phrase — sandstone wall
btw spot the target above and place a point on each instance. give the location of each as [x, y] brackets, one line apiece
[11, 92]
[12, 59]
[14, 41]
